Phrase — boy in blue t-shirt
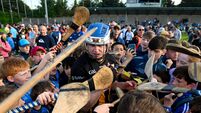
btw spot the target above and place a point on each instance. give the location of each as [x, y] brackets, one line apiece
[157, 46]
[10, 41]
[16, 71]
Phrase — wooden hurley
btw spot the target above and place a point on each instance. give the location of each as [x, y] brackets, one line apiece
[120, 94]
[15, 96]
[156, 86]
[101, 80]
[81, 15]
[74, 96]
[149, 67]
[71, 101]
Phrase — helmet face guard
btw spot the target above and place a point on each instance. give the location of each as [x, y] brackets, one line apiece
[101, 36]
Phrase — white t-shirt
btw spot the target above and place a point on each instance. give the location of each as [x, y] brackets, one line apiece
[129, 35]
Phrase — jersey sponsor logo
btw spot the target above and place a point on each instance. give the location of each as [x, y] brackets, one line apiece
[41, 41]
[91, 72]
[77, 77]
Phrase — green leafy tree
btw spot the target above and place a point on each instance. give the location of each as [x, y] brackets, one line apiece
[190, 3]
[167, 3]
[6, 15]
[75, 5]
[50, 6]
[61, 8]
[111, 3]
[184, 3]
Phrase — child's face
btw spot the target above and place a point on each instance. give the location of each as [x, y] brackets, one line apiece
[25, 49]
[172, 54]
[180, 82]
[67, 71]
[120, 50]
[144, 43]
[157, 52]
[38, 57]
[182, 60]
[21, 77]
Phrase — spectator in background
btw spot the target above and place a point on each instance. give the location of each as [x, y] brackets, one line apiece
[116, 35]
[56, 34]
[14, 33]
[31, 37]
[143, 47]
[176, 32]
[137, 38]
[128, 35]
[197, 38]
[7, 29]
[171, 55]
[10, 41]
[156, 46]
[24, 47]
[36, 30]
[4, 46]
[45, 40]
[75, 35]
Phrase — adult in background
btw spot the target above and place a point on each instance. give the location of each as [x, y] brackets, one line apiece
[45, 40]
[137, 38]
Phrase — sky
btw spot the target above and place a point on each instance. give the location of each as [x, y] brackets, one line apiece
[34, 3]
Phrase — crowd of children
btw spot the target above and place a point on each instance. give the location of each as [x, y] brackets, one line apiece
[25, 50]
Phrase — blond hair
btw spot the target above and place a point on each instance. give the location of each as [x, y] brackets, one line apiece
[193, 48]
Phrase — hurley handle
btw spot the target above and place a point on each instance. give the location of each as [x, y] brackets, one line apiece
[28, 106]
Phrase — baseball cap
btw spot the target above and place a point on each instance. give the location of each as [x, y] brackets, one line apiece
[23, 42]
[35, 49]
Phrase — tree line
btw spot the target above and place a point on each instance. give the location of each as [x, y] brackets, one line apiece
[59, 8]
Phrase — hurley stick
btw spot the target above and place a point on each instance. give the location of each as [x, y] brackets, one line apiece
[120, 94]
[149, 67]
[71, 102]
[156, 86]
[28, 106]
[75, 91]
[101, 80]
[14, 97]
[81, 15]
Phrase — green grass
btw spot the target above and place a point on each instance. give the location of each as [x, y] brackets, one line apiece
[184, 36]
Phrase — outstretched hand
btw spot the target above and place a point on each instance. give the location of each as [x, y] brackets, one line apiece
[50, 55]
[128, 85]
[104, 108]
